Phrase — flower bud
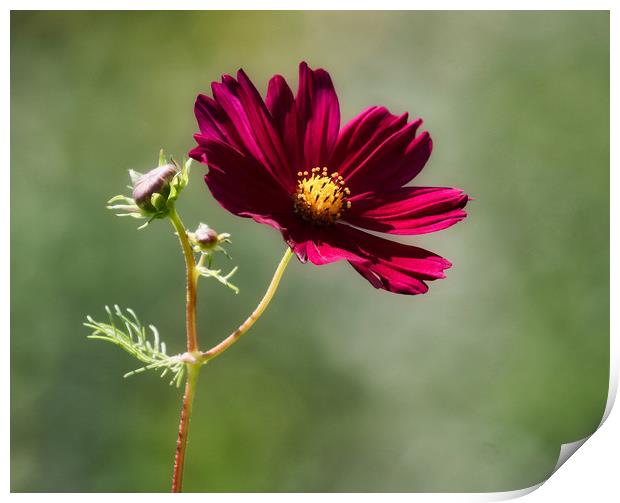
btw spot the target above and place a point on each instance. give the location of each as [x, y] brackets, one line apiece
[205, 237]
[154, 183]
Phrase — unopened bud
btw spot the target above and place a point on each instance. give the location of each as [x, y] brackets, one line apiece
[205, 237]
[155, 182]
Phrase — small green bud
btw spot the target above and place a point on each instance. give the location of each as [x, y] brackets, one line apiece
[205, 237]
[151, 190]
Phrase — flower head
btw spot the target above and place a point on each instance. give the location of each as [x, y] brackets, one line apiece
[286, 162]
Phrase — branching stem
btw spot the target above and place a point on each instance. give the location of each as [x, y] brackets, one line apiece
[196, 358]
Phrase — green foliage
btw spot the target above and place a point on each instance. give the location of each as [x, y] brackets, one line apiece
[131, 336]
[217, 274]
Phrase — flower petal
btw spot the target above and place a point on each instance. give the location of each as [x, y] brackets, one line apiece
[281, 104]
[362, 135]
[395, 162]
[409, 210]
[214, 123]
[319, 116]
[245, 108]
[386, 264]
[397, 267]
[241, 185]
[319, 244]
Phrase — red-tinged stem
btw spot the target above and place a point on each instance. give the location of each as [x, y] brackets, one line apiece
[193, 367]
[186, 414]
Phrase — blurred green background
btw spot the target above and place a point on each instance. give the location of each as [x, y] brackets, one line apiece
[339, 387]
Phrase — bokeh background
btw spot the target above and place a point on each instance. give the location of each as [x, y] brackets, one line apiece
[339, 387]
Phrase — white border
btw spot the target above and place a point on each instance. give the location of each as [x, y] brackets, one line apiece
[310, 5]
[590, 474]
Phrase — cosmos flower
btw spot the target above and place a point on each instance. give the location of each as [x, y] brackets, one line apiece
[286, 162]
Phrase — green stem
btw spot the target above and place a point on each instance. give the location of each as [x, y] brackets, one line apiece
[191, 282]
[256, 314]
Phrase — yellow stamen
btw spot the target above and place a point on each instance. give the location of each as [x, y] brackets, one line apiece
[321, 198]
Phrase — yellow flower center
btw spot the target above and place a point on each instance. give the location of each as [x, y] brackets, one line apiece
[320, 198]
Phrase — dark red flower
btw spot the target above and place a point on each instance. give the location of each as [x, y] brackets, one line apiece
[285, 162]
